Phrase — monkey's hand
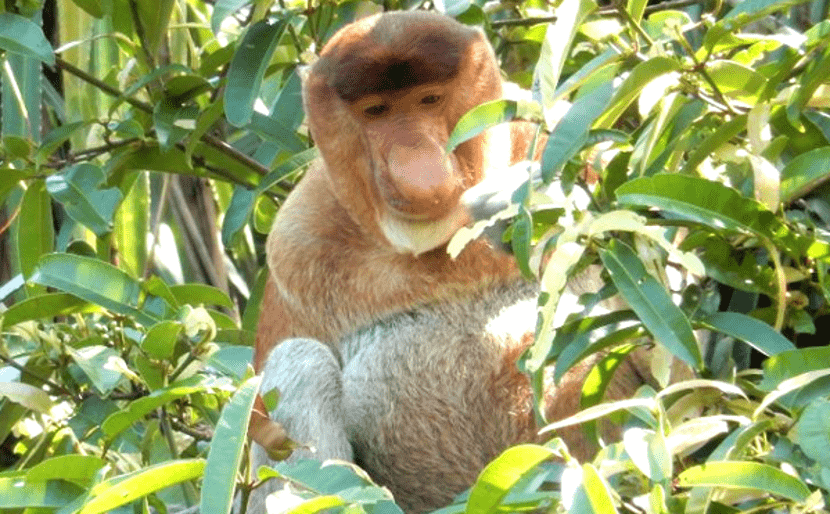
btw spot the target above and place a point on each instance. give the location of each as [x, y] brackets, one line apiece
[268, 433]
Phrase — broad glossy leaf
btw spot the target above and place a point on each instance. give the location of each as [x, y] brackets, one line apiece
[22, 36]
[96, 363]
[571, 133]
[813, 431]
[737, 81]
[132, 222]
[717, 206]
[556, 48]
[92, 280]
[496, 480]
[652, 303]
[804, 173]
[201, 294]
[35, 232]
[243, 200]
[78, 469]
[33, 398]
[789, 364]
[745, 475]
[224, 9]
[79, 190]
[17, 493]
[592, 495]
[47, 305]
[124, 489]
[479, 119]
[641, 75]
[226, 448]
[160, 341]
[649, 452]
[248, 68]
[751, 330]
[136, 410]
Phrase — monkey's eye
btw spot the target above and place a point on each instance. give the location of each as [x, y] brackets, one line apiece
[430, 99]
[375, 110]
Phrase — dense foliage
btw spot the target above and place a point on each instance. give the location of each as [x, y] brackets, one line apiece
[147, 144]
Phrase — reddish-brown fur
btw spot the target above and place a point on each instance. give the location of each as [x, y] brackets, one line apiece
[429, 391]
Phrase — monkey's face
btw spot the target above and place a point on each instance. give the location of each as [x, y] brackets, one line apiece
[382, 101]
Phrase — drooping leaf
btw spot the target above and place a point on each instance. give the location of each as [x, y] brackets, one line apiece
[35, 232]
[121, 420]
[248, 68]
[641, 75]
[22, 36]
[33, 398]
[479, 119]
[226, 448]
[716, 206]
[47, 305]
[752, 331]
[649, 452]
[93, 280]
[79, 190]
[745, 475]
[652, 303]
[122, 490]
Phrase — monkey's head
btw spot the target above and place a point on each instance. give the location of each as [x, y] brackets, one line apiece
[381, 102]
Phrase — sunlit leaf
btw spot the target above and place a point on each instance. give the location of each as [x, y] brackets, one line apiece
[748, 475]
[124, 489]
[496, 480]
[33, 398]
[652, 303]
[22, 36]
[226, 448]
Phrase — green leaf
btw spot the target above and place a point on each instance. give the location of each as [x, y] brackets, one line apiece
[480, 118]
[804, 173]
[78, 469]
[571, 133]
[642, 74]
[201, 294]
[122, 420]
[592, 495]
[248, 68]
[78, 189]
[792, 363]
[520, 241]
[636, 8]
[222, 10]
[33, 398]
[96, 363]
[226, 449]
[752, 331]
[132, 223]
[92, 7]
[648, 450]
[173, 122]
[715, 140]
[55, 138]
[17, 493]
[47, 305]
[716, 206]
[745, 475]
[94, 281]
[737, 81]
[35, 232]
[124, 489]
[160, 340]
[22, 36]
[813, 431]
[496, 480]
[556, 48]
[242, 202]
[742, 13]
[652, 303]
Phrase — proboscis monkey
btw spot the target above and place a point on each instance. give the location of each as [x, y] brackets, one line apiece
[386, 351]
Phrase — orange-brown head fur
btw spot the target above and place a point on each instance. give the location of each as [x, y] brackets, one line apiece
[382, 100]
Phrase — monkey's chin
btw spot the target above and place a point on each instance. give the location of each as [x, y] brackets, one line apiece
[417, 237]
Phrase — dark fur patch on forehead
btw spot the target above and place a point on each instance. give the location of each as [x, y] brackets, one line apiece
[375, 67]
